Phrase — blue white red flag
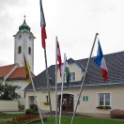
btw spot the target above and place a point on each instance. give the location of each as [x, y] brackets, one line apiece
[100, 61]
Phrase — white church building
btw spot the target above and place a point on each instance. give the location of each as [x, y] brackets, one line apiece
[15, 73]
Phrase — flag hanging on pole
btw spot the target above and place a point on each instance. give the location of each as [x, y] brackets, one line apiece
[43, 37]
[100, 61]
[67, 70]
[27, 69]
[42, 25]
[29, 79]
[59, 58]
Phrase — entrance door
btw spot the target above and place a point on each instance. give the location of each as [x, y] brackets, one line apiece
[67, 102]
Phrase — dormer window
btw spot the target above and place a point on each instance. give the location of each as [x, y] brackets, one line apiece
[29, 50]
[19, 49]
[72, 77]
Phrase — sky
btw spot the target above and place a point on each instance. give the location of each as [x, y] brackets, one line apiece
[74, 22]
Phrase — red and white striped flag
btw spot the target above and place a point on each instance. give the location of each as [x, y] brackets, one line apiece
[59, 58]
[42, 25]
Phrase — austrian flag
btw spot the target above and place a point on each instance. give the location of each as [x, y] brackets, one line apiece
[100, 61]
[42, 25]
[59, 58]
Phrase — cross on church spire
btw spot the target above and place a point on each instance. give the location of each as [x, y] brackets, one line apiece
[24, 16]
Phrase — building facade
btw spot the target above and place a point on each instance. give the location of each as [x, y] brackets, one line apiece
[97, 97]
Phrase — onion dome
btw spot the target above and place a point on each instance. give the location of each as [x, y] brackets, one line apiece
[24, 27]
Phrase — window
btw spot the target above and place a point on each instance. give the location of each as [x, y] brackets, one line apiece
[19, 49]
[104, 99]
[64, 77]
[46, 98]
[72, 77]
[29, 50]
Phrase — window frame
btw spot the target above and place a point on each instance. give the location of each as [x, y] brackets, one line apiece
[72, 77]
[104, 99]
[64, 78]
[46, 99]
[29, 50]
[19, 50]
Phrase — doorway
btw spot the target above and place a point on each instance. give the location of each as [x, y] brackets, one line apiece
[67, 102]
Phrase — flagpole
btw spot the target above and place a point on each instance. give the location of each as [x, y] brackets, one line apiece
[35, 96]
[56, 81]
[43, 37]
[60, 108]
[84, 78]
[47, 77]
[62, 91]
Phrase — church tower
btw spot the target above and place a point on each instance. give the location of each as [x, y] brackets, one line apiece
[24, 43]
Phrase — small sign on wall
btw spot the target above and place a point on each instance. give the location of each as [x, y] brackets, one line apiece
[85, 98]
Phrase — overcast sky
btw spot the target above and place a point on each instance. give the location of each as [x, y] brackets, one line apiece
[75, 22]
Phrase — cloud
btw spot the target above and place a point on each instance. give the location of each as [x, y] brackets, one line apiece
[75, 22]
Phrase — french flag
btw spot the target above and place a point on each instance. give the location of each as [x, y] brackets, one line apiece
[100, 61]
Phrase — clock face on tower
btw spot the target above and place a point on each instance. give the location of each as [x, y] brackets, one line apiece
[19, 37]
[30, 37]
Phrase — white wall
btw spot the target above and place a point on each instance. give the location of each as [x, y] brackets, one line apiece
[20, 91]
[117, 99]
[24, 42]
[7, 105]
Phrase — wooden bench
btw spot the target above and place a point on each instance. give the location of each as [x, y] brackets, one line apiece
[117, 113]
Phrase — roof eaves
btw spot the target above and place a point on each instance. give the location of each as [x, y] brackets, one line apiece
[18, 78]
[78, 86]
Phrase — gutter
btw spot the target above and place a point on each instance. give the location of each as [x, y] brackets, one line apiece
[78, 86]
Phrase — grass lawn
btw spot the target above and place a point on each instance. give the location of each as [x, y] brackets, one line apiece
[81, 120]
[11, 115]
[77, 120]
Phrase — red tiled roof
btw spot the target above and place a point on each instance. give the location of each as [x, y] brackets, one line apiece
[4, 70]
[19, 73]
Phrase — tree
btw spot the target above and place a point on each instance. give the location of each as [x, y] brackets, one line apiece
[8, 92]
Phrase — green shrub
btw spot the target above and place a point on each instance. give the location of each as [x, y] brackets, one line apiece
[36, 112]
[29, 111]
[2, 113]
[33, 107]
